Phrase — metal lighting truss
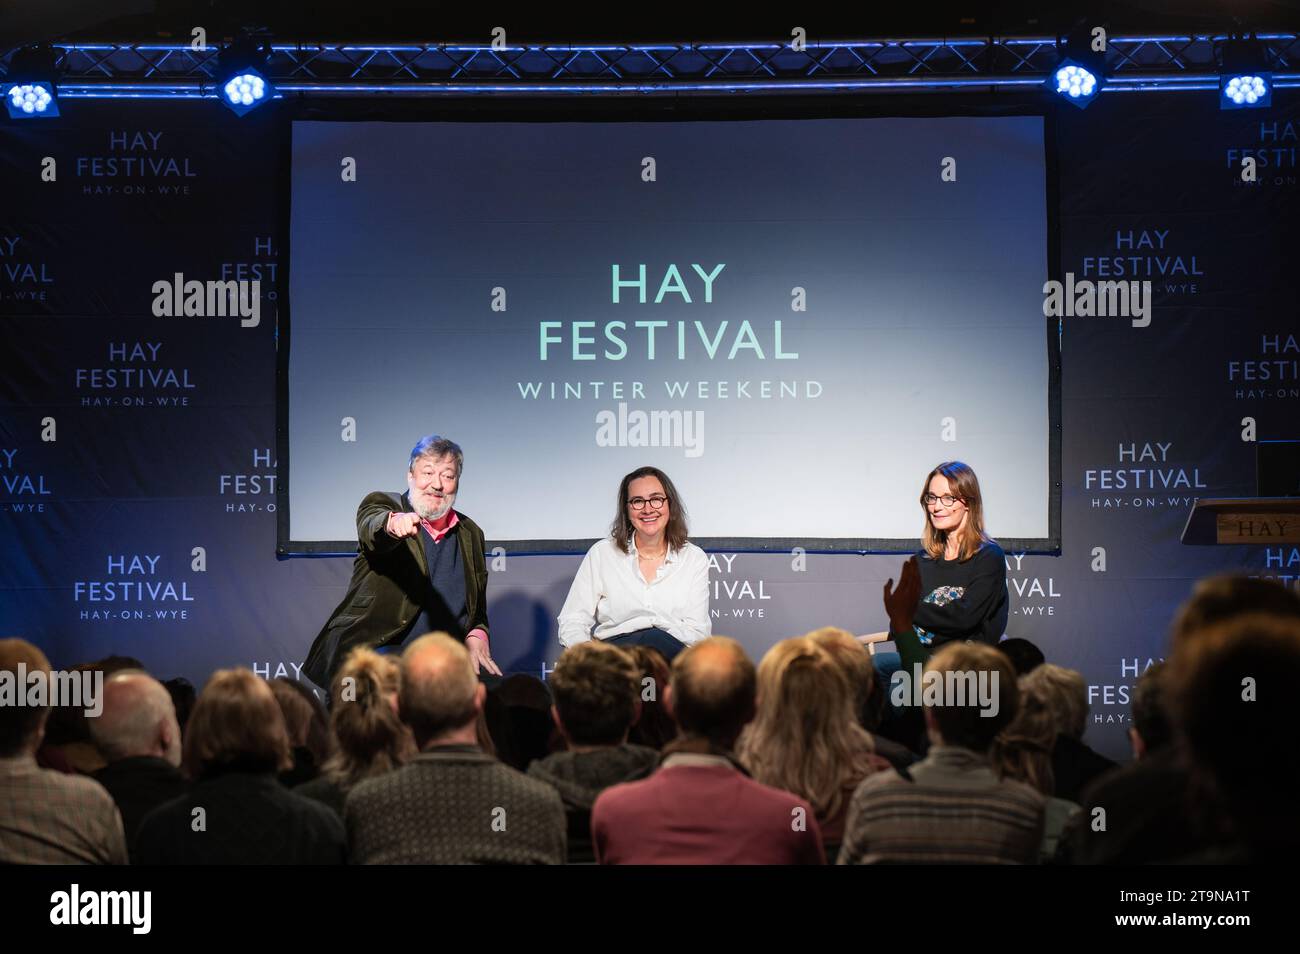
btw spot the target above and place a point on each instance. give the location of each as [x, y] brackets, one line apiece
[177, 71]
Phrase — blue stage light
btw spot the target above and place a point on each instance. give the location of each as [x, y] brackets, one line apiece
[1075, 82]
[1080, 73]
[1244, 79]
[241, 78]
[246, 89]
[31, 99]
[29, 89]
[1245, 91]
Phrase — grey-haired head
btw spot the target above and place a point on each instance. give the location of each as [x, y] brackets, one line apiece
[436, 447]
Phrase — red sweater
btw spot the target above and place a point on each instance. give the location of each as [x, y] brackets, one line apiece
[708, 814]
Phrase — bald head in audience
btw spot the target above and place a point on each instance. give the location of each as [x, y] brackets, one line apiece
[439, 695]
[139, 719]
[711, 694]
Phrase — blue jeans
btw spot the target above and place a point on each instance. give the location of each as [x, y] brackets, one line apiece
[666, 643]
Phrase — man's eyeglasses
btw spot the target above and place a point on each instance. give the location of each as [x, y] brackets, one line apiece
[947, 500]
[656, 502]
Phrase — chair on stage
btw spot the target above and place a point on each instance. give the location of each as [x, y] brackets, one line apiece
[873, 642]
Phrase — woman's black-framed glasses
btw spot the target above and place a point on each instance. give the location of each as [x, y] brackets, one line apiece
[947, 499]
[656, 502]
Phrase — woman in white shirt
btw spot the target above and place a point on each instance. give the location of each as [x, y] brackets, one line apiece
[645, 583]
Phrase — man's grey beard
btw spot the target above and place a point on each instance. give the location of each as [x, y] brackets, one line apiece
[427, 514]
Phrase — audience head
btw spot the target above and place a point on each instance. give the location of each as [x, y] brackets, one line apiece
[525, 691]
[964, 721]
[183, 698]
[116, 663]
[371, 739]
[320, 737]
[711, 694]
[236, 726]
[68, 725]
[855, 662]
[1066, 695]
[1231, 690]
[138, 719]
[1024, 655]
[483, 730]
[655, 727]
[494, 723]
[439, 695]
[597, 694]
[305, 718]
[1023, 750]
[1151, 729]
[805, 737]
[1217, 599]
[523, 720]
[22, 728]
[295, 709]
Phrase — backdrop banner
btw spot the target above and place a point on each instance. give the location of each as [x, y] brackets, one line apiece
[138, 470]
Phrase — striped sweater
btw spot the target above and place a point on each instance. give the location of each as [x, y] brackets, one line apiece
[952, 810]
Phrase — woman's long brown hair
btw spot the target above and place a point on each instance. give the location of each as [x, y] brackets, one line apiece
[962, 483]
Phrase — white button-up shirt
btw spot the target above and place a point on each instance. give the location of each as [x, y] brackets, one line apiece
[610, 594]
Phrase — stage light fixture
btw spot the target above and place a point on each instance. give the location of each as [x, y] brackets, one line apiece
[246, 89]
[1080, 72]
[30, 89]
[241, 77]
[1075, 82]
[1244, 80]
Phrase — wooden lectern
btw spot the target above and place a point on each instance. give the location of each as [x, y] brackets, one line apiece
[1261, 521]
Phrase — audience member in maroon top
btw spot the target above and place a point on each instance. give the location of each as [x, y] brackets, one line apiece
[701, 806]
[806, 738]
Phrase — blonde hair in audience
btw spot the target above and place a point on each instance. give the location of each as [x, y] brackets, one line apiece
[805, 737]
[371, 738]
[1064, 693]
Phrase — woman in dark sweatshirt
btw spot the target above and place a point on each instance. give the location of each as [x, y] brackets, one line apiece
[954, 589]
[956, 586]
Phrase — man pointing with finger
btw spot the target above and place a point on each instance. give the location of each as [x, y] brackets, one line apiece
[420, 568]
